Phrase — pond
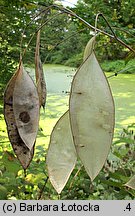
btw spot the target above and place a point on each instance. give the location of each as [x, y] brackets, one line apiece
[58, 79]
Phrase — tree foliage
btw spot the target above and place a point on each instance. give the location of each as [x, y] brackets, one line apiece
[15, 16]
[122, 24]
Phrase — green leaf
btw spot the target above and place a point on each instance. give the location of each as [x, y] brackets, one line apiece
[3, 193]
[112, 183]
[11, 163]
[119, 177]
[130, 56]
[131, 183]
[35, 178]
[123, 140]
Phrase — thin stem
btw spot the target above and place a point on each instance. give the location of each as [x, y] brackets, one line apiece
[25, 173]
[42, 190]
[59, 197]
[96, 20]
[65, 10]
[123, 30]
[121, 71]
[99, 30]
[76, 174]
[100, 14]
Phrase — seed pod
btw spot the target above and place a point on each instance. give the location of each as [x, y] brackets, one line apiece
[91, 115]
[26, 107]
[40, 80]
[89, 48]
[131, 183]
[23, 153]
[61, 157]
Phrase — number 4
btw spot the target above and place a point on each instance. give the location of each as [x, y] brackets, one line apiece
[128, 207]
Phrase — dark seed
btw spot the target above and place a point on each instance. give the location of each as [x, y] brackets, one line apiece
[24, 117]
